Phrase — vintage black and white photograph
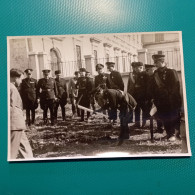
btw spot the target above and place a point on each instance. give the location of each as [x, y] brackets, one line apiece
[96, 96]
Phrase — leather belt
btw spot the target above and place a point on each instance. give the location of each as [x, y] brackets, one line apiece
[47, 89]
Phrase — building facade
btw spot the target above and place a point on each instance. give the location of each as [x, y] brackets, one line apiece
[163, 43]
[69, 53]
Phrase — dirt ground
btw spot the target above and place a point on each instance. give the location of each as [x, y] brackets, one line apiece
[96, 138]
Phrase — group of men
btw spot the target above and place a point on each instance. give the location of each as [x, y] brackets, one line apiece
[53, 92]
[145, 89]
[49, 92]
[159, 88]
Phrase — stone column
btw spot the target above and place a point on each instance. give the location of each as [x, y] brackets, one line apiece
[34, 64]
[42, 59]
[62, 67]
[142, 56]
[89, 63]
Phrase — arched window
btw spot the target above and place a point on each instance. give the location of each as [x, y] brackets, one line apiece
[55, 61]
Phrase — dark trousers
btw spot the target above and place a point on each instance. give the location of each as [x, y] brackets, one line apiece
[28, 118]
[74, 106]
[170, 120]
[112, 114]
[85, 102]
[92, 102]
[124, 116]
[159, 125]
[141, 106]
[87, 105]
[48, 104]
[62, 105]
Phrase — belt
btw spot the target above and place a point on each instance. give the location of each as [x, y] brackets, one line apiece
[47, 89]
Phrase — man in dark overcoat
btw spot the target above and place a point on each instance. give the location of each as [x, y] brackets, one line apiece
[137, 87]
[150, 68]
[73, 94]
[62, 95]
[115, 79]
[165, 90]
[116, 82]
[47, 94]
[29, 97]
[84, 86]
[102, 78]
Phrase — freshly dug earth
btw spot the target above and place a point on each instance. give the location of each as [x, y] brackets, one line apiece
[96, 138]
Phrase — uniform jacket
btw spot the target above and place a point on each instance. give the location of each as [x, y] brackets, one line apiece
[61, 88]
[17, 120]
[117, 99]
[165, 89]
[102, 79]
[72, 89]
[85, 86]
[116, 81]
[137, 85]
[48, 89]
[28, 91]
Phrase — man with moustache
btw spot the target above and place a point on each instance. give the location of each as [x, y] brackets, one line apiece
[73, 94]
[84, 86]
[150, 68]
[116, 82]
[29, 97]
[165, 91]
[47, 95]
[62, 95]
[137, 87]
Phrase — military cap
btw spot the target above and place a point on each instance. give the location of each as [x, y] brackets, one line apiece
[82, 70]
[134, 64]
[46, 71]
[109, 64]
[76, 72]
[57, 72]
[99, 66]
[149, 66]
[87, 71]
[28, 70]
[158, 56]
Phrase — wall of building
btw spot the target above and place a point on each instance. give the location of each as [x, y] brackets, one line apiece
[169, 46]
[34, 52]
[18, 54]
[150, 38]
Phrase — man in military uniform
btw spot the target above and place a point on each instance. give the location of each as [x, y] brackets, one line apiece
[125, 103]
[116, 82]
[137, 87]
[115, 79]
[150, 71]
[101, 78]
[91, 79]
[165, 90]
[73, 93]
[48, 95]
[85, 87]
[29, 98]
[62, 95]
[150, 68]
